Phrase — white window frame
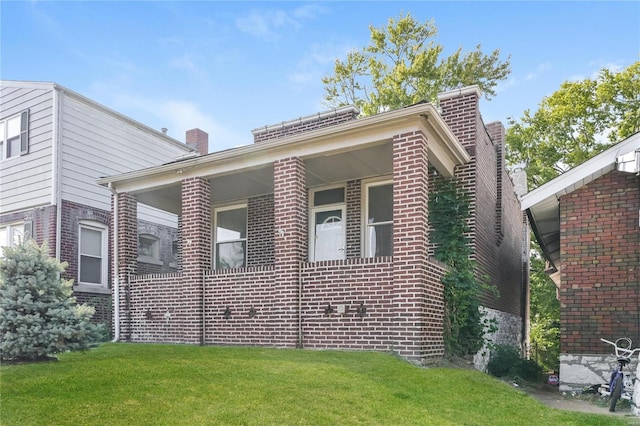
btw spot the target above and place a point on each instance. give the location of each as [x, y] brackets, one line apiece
[23, 230]
[22, 136]
[313, 209]
[365, 215]
[154, 257]
[214, 238]
[104, 241]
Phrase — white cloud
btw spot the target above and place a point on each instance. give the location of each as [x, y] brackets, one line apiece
[184, 62]
[316, 62]
[530, 76]
[269, 24]
[176, 115]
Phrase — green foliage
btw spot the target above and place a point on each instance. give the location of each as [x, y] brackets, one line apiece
[448, 213]
[38, 315]
[578, 121]
[544, 315]
[402, 65]
[505, 361]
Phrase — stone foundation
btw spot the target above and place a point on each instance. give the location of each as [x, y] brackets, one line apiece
[509, 332]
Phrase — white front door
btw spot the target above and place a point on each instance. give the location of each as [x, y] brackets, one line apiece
[329, 234]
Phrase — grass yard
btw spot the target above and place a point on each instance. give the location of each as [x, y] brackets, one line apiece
[133, 384]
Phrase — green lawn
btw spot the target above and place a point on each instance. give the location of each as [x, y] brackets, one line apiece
[132, 384]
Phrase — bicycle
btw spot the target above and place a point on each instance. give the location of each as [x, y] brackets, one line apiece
[619, 388]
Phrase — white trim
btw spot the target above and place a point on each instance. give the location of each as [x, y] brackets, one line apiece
[323, 208]
[214, 239]
[306, 119]
[56, 167]
[104, 272]
[581, 175]
[463, 91]
[365, 211]
[367, 131]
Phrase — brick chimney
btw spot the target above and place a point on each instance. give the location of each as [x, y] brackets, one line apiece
[199, 140]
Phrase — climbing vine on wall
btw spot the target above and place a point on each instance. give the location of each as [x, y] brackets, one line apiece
[448, 212]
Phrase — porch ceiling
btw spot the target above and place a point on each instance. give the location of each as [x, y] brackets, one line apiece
[321, 170]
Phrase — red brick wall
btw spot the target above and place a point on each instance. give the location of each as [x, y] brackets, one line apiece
[365, 288]
[196, 255]
[354, 219]
[599, 240]
[260, 231]
[43, 222]
[495, 217]
[127, 255]
[418, 327]
[304, 125]
[198, 139]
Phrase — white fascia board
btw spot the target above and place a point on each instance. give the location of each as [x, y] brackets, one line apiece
[332, 139]
[582, 174]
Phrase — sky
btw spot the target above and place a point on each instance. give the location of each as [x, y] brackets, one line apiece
[231, 67]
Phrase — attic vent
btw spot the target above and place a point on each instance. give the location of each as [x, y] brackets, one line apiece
[629, 162]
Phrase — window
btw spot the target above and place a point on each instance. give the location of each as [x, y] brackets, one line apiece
[11, 235]
[328, 231]
[14, 135]
[92, 254]
[174, 254]
[379, 218]
[230, 237]
[148, 248]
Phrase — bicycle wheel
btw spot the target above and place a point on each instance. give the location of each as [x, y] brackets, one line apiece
[616, 392]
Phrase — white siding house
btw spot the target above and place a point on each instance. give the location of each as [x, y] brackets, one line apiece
[54, 145]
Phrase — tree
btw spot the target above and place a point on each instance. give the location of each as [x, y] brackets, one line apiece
[544, 314]
[580, 120]
[38, 315]
[402, 66]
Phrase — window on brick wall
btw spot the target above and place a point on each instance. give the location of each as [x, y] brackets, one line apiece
[12, 234]
[174, 254]
[14, 136]
[328, 230]
[378, 236]
[92, 254]
[230, 237]
[148, 249]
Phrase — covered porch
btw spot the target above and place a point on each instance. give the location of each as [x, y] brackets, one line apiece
[315, 240]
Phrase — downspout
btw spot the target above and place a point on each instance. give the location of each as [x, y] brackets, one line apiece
[204, 287]
[56, 193]
[300, 345]
[116, 267]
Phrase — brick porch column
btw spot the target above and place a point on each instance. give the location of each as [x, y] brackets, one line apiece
[410, 244]
[196, 256]
[290, 218]
[127, 252]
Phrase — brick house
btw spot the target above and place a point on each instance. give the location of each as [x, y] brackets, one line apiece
[54, 144]
[316, 235]
[586, 221]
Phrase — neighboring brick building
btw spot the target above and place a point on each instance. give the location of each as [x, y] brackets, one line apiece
[587, 224]
[54, 144]
[316, 235]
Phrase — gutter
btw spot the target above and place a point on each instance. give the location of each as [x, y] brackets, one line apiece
[56, 190]
[116, 267]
